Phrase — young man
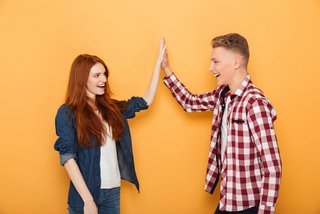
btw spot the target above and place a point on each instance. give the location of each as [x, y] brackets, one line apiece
[244, 149]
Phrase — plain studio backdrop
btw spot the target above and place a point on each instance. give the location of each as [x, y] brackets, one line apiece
[40, 39]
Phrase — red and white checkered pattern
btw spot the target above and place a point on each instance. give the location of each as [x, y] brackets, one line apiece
[251, 169]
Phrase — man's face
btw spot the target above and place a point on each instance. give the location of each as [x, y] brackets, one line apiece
[222, 65]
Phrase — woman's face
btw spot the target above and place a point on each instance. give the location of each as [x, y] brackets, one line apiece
[96, 81]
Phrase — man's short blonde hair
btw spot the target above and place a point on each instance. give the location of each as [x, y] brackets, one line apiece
[234, 42]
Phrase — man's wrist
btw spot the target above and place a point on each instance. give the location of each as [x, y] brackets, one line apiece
[167, 71]
[263, 209]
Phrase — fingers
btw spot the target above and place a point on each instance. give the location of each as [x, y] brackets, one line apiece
[163, 46]
[163, 55]
[164, 50]
[162, 42]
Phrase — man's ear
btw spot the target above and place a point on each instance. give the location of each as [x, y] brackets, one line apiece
[237, 62]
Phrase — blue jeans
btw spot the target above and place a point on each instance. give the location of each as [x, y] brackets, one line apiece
[108, 203]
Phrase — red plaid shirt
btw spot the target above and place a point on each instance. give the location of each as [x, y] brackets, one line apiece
[251, 169]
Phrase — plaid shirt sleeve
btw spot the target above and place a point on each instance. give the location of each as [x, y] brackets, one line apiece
[190, 102]
[260, 119]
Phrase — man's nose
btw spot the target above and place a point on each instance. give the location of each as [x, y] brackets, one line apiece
[211, 68]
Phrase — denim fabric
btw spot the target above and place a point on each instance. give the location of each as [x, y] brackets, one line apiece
[252, 210]
[108, 202]
[88, 159]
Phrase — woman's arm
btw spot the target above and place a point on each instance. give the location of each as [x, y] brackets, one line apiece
[77, 180]
[153, 84]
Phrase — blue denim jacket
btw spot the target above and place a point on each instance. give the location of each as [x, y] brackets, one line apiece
[88, 159]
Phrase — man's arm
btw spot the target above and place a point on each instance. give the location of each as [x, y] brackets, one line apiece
[190, 102]
[260, 120]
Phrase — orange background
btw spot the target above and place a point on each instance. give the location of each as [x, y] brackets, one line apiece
[40, 39]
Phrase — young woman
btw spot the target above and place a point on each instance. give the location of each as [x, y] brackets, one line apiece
[94, 140]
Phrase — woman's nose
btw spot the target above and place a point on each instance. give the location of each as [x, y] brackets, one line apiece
[104, 78]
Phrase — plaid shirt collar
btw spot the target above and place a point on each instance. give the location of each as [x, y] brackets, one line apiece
[243, 86]
[225, 91]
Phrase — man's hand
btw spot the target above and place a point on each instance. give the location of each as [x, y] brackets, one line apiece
[165, 61]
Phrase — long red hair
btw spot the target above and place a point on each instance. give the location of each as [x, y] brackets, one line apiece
[89, 126]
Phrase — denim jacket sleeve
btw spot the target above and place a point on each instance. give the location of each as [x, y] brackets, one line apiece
[135, 104]
[66, 144]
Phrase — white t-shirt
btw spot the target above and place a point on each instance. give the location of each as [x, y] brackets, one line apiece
[109, 167]
[224, 129]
